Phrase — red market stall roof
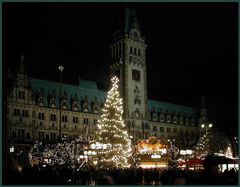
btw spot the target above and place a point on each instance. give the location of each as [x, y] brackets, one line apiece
[192, 161]
[195, 161]
[232, 161]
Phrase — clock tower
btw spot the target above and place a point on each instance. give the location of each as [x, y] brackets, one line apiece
[128, 61]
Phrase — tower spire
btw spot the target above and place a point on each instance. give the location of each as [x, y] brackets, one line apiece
[203, 111]
[126, 22]
[9, 74]
[22, 76]
[22, 66]
[79, 79]
[203, 102]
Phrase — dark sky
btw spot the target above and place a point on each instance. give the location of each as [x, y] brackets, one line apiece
[192, 48]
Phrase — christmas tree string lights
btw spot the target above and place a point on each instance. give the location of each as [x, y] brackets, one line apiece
[112, 130]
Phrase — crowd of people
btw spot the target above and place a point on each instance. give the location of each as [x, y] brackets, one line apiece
[132, 176]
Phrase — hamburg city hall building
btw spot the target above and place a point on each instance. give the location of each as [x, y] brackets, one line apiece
[33, 105]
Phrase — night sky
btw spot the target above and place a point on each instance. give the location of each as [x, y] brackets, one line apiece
[192, 49]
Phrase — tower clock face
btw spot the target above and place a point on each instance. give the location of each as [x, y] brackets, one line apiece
[136, 75]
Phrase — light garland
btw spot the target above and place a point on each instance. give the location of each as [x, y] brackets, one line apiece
[66, 153]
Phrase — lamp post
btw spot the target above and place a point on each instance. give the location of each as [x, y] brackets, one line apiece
[206, 127]
[60, 68]
[11, 140]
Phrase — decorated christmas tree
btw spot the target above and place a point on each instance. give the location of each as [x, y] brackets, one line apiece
[211, 142]
[112, 133]
[203, 145]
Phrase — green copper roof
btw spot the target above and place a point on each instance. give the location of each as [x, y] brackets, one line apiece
[186, 111]
[127, 19]
[89, 89]
[88, 84]
[85, 88]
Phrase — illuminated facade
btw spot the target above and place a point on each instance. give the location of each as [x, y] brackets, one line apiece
[33, 104]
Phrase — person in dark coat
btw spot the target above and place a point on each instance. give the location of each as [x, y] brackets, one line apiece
[11, 174]
[210, 174]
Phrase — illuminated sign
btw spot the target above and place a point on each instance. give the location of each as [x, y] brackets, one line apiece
[155, 156]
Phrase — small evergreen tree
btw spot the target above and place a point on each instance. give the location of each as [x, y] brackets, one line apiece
[203, 145]
[212, 142]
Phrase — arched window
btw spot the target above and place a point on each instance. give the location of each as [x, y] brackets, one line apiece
[133, 124]
[114, 52]
[120, 49]
[137, 113]
[47, 137]
[131, 50]
[139, 52]
[85, 104]
[117, 50]
[21, 95]
[154, 116]
[181, 120]
[186, 121]
[162, 118]
[135, 34]
[175, 120]
[148, 115]
[192, 121]
[169, 120]
[28, 136]
[14, 135]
